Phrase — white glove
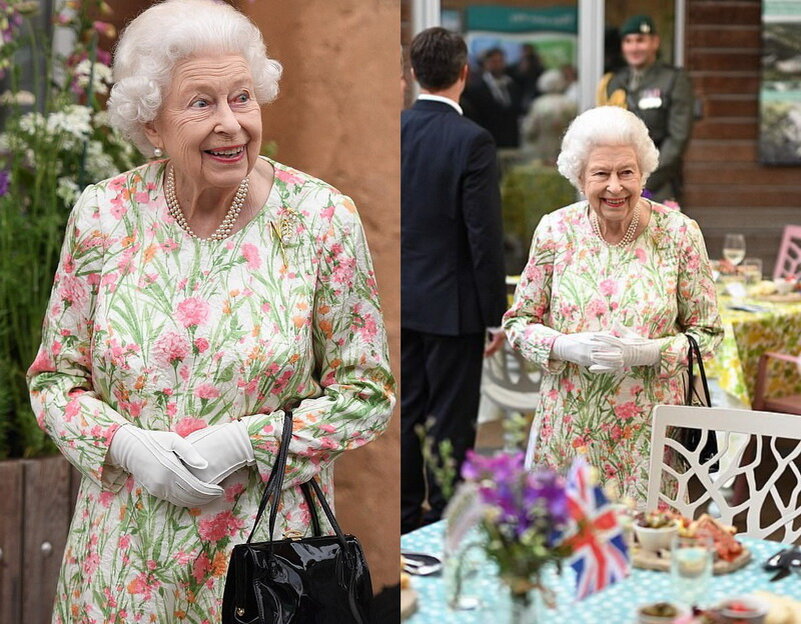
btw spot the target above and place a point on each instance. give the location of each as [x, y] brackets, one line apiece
[636, 351]
[227, 448]
[154, 458]
[584, 350]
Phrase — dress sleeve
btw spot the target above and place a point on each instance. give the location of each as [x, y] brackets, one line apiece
[350, 349]
[697, 303]
[63, 397]
[527, 321]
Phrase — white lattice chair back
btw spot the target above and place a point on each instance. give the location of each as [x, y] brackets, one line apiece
[509, 382]
[779, 434]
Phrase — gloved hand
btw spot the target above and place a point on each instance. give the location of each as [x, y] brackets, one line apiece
[636, 351]
[227, 448]
[154, 458]
[584, 350]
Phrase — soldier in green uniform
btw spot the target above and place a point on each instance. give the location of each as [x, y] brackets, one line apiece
[659, 94]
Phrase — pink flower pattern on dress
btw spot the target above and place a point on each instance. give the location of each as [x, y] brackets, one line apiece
[149, 326]
[193, 312]
[659, 287]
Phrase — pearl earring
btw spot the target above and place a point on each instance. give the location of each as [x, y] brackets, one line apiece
[158, 153]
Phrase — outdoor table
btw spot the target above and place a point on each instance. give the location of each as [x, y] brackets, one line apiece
[747, 335]
[616, 604]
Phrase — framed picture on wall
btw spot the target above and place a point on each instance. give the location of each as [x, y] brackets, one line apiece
[780, 90]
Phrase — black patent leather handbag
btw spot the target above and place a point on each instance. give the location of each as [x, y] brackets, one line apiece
[323, 579]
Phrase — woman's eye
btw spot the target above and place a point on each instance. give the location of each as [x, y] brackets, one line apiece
[242, 98]
[200, 103]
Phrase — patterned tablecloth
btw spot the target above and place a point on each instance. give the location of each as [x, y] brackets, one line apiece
[614, 605]
[774, 327]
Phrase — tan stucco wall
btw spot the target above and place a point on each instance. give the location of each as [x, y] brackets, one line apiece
[337, 118]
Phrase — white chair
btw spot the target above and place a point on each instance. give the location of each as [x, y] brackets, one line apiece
[779, 434]
[508, 383]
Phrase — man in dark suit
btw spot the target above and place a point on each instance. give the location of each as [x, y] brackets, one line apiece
[452, 275]
[493, 100]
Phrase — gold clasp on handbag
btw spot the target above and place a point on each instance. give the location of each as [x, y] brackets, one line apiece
[240, 611]
[293, 534]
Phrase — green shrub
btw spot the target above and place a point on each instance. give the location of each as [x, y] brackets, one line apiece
[528, 192]
[54, 141]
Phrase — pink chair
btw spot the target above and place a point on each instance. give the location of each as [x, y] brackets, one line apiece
[788, 262]
[787, 404]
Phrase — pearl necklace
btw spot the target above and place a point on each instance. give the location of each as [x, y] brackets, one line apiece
[227, 224]
[628, 237]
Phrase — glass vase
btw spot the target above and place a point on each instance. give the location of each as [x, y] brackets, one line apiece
[525, 607]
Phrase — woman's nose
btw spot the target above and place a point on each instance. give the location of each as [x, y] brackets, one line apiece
[226, 120]
[614, 184]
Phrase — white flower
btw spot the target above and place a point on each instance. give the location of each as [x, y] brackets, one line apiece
[100, 80]
[31, 123]
[74, 120]
[99, 164]
[21, 98]
[68, 190]
[102, 119]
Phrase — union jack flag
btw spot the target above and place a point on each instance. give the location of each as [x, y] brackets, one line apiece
[600, 556]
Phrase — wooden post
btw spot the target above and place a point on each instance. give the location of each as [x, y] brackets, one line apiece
[11, 488]
[46, 510]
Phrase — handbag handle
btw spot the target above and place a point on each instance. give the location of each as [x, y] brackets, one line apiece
[694, 349]
[276, 476]
[310, 490]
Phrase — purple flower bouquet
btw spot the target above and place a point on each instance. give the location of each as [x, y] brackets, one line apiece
[524, 520]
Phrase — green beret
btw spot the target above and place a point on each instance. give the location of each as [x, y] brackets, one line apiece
[638, 25]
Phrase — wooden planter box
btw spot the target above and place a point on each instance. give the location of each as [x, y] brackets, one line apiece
[37, 497]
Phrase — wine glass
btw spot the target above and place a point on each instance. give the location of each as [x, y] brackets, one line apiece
[691, 568]
[734, 248]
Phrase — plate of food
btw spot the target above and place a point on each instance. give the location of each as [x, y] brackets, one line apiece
[730, 555]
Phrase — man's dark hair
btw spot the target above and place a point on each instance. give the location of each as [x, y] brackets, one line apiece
[437, 57]
[492, 52]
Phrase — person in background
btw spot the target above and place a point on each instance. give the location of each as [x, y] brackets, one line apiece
[199, 297]
[526, 72]
[492, 100]
[659, 94]
[548, 118]
[571, 80]
[452, 274]
[612, 285]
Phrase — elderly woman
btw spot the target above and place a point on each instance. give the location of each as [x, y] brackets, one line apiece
[197, 298]
[612, 284]
[548, 118]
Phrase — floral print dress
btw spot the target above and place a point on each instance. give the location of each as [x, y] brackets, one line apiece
[149, 326]
[660, 286]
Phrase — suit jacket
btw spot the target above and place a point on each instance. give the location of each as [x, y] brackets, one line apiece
[664, 101]
[500, 119]
[452, 273]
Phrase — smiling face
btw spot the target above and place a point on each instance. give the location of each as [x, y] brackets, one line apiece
[640, 50]
[612, 182]
[210, 122]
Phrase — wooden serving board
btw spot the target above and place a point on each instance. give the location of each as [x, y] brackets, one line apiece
[408, 602]
[660, 561]
[790, 297]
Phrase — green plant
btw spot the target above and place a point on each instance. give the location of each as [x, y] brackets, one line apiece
[440, 461]
[527, 193]
[47, 155]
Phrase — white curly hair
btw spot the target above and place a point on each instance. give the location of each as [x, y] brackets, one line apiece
[604, 126]
[166, 33]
